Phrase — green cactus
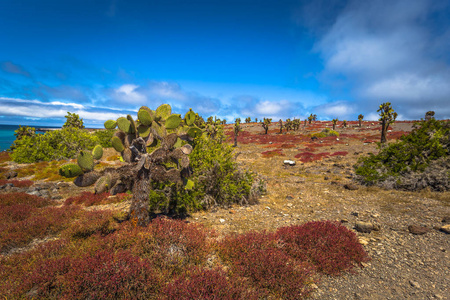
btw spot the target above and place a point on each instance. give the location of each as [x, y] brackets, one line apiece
[194, 132]
[143, 130]
[334, 123]
[189, 117]
[163, 112]
[97, 152]
[117, 144]
[132, 124]
[103, 184]
[85, 160]
[265, 124]
[360, 118]
[173, 121]
[387, 117]
[145, 116]
[70, 170]
[124, 124]
[110, 124]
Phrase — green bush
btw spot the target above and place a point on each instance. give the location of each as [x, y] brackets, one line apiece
[412, 154]
[217, 181]
[326, 132]
[104, 137]
[53, 145]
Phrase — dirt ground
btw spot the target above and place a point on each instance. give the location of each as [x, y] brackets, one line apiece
[403, 265]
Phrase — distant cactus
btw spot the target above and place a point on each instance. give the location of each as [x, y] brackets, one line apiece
[429, 115]
[147, 145]
[296, 124]
[280, 123]
[387, 117]
[310, 118]
[288, 124]
[248, 120]
[237, 129]
[256, 120]
[334, 123]
[360, 118]
[265, 124]
[344, 123]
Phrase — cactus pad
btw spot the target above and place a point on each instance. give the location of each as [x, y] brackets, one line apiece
[159, 130]
[194, 132]
[143, 130]
[189, 118]
[188, 184]
[124, 124]
[103, 184]
[173, 121]
[97, 152]
[70, 170]
[85, 160]
[132, 124]
[117, 144]
[163, 111]
[145, 117]
[110, 124]
[87, 179]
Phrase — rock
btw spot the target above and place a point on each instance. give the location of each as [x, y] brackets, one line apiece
[418, 230]
[351, 187]
[363, 241]
[354, 213]
[288, 162]
[222, 220]
[446, 220]
[366, 227]
[62, 184]
[10, 174]
[414, 284]
[445, 228]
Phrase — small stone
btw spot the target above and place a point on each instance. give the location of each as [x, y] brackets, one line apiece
[344, 221]
[363, 241]
[351, 187]
[446, 220]
[289, 162]
[414, 284]
[289, 197]
[267, 207]
[289, 205]
[445, 228]
[366, 227]
[222, 220]
[437, 296]
[354, 213]
[418, 230]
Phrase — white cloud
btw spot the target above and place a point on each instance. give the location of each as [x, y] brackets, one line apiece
[390, 51]
[128, 93]
[340, 109]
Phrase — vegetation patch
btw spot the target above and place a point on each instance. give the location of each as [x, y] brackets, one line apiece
[90, 199]
[17, 183]
[272, 153]
[416, 161]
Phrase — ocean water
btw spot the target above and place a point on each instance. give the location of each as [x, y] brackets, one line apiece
[7, 135]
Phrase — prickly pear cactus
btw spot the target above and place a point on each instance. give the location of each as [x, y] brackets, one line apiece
[147, 145]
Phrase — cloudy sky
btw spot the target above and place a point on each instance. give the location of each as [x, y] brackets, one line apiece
[230, 58]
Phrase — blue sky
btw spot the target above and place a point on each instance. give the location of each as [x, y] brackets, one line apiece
[260, 58]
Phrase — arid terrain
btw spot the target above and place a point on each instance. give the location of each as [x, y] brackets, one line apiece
[400, 230]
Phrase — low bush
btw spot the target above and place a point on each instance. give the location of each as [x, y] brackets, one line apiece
[198, 283]
[17, 183]
[104, 137]
[324, 133]
[87, 223]
[329, 246]
[217, 181]
[403, 163]
[53, 145]
[256, 256]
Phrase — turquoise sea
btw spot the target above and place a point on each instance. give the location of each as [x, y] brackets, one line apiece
[7, 135]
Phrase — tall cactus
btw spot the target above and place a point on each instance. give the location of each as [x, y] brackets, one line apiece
[387, 117]
[147, 146]
[360, 118]
[237, 129]
[265, 124]
[334, 123]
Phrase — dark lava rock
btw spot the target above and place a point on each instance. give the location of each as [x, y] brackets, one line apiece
[10, 174]
[351, 187]
[418, 230]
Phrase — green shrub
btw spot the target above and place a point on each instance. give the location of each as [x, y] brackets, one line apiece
[53, 145]
[217, 181]
[104, 137]
[412, 154]
[326, 132]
